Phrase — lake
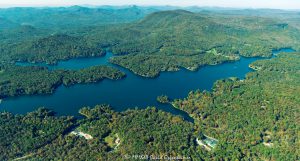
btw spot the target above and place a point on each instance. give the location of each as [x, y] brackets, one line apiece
[130, 92]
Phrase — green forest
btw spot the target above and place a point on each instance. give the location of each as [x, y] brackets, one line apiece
[155, 42]
[17, 80]
[252, 119]
[256, 118]
[146, 45]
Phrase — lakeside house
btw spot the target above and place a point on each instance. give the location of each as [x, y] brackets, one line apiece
[81, 134]
[207, 142]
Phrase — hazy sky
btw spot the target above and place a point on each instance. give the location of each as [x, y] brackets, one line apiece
[282, 4]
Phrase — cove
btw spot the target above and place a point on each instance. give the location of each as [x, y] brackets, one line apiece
[130, 92]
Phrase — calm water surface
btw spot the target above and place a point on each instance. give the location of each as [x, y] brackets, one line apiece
[130, 92]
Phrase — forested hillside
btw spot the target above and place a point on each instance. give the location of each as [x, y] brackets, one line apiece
[16, 80]
[72, 17]
[23, 134]
[52, 34]
[53, 48]
[256, 118]
[171, 39]
[162, 41]
[252, 119]
[140, 131]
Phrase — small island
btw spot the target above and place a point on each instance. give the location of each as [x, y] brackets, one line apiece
[163, 99]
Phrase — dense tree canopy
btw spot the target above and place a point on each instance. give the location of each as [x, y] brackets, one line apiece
[16, 80]
[162, 41]
[252, 118]
[22, 134]
[255, 118]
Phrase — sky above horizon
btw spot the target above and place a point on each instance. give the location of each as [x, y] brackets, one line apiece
[278, 4]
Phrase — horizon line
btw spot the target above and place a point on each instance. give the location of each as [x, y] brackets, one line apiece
[7, 6]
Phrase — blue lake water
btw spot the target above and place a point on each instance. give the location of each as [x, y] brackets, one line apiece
[130, 92]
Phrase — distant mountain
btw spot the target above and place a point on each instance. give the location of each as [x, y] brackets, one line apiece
[158, 41]
[168, 40]
[187, 32]
[72, 17]
[79, 16]
[6, 24]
